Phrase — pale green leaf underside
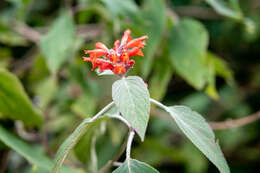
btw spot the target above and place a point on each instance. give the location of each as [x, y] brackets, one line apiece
[135, 166]
[201, 135]
[188, 45]
[27, 151]
[14, 103]
[132, 98]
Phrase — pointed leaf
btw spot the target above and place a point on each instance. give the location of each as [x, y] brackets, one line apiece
[135, 166]
[132, 98]
[14, 102]
[57, 44]
[201, 135]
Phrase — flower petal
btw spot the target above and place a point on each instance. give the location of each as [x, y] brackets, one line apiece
[102, 46]
[126, 37]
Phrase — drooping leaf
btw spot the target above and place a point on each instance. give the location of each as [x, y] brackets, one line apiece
[201, 135]
[135, 166]
[132, 98]
[188, 44]
[58, 43]
[14, 102]
[27, 151]
[69, 143]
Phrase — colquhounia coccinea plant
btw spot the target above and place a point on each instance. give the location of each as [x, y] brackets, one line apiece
[131, 100]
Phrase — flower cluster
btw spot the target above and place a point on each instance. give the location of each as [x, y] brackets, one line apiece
[118, 58]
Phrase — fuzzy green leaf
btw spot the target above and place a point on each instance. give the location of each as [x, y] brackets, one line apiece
[201, 135]
[132, 98]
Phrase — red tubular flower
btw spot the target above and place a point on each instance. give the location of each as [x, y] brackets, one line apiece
[118, 58]
[138, 42]
[119, 69]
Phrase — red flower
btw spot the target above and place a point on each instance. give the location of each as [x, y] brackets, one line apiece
[118, 58]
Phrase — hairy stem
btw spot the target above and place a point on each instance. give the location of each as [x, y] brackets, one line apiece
[159, 104]
[129, 144]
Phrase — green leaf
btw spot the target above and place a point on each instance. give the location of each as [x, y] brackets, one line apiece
[222, 8]
[28, 152]
[69, 143]
[188, 45]
[201, 135]
[14, 102]
[132, 98]
[221, 67]
[135, 166]
[233, 10]
[126, 7]
[153, 22]
[58, 43]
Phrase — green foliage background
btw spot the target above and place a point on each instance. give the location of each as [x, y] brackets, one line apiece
[200, 53]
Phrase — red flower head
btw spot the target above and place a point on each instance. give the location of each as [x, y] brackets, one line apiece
[118, 58]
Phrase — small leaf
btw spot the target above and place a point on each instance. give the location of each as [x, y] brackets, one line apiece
[221, 67]
[14, 102]
[135, 166]
[27, 151]
[201, 135]
[132, 98]
[188, 45]
[58, 43]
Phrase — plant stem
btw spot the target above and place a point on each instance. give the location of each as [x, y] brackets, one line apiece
[159, 104]
[129, 144]
[123, 120]
[106, 108]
